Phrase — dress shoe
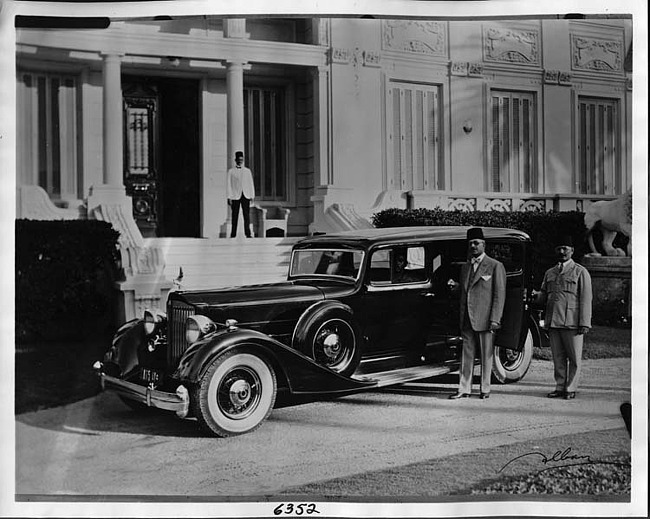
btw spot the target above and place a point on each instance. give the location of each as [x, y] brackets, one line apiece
[484, 396]
[458, 395]
[556, 394]
[570, 395]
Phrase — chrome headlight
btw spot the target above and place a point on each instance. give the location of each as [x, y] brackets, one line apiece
[151, 319]
[197, 326]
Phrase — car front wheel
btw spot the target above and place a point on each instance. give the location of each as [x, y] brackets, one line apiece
[235, 395]
[510, 365]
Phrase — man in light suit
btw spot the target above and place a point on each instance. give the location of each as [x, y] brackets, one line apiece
[566, 291]
[241, 193]
[482, 297]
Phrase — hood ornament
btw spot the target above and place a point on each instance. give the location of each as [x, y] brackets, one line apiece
[178, 280]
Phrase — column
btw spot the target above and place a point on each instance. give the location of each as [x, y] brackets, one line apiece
[322, 124]
[113, 153]
[235, 110]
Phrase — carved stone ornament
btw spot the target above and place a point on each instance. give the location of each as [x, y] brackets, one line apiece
[596, 54]
[462, 204]
[340, 55]
[628, 83]
[532, 205]
[565, 79]
[519, 47]
[459, 68]
[475, 70]
[371, 59]
[498, 204]
[551, 77]
[415, 36]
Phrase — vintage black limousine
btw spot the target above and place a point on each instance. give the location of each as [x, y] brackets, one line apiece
[359, 310]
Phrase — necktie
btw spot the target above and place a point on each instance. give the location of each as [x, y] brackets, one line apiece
[475, 262]
[560, 265]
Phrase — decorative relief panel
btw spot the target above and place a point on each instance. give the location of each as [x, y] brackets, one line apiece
[462, 204]
[565, 79]
[459, 68]
[520, 47]
[533, 205]
[371, 59]
[340, 55]
[551, 77]
[415, 36]
[475, 70]
[596, 54]
[497, 204]
[557, 77]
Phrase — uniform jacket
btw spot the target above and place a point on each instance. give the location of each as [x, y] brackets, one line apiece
[568, 296]
[240, 181]
[484, 293]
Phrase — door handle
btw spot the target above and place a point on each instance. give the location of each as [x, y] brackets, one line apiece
[428, 294]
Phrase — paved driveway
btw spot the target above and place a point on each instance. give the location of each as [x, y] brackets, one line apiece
[100, 447]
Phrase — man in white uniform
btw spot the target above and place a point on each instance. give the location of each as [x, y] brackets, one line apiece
[241, 193]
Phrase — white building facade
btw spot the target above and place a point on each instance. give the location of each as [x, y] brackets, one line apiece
[137, 123]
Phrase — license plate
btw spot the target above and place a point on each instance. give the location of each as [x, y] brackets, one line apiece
[149, 375]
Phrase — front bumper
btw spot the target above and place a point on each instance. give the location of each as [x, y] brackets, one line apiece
[179, 402]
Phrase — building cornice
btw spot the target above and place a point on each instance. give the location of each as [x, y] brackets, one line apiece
[182, 46]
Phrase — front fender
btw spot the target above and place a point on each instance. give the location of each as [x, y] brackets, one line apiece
[302, 374]
[310, 314]
[126, 342]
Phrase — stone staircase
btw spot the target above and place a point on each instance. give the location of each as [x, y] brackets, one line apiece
[224, 262]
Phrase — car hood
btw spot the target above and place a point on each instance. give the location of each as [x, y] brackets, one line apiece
[271, 293]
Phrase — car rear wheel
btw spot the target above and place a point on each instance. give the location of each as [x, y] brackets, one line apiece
[235, 395]
[332, 341]
[510, 365]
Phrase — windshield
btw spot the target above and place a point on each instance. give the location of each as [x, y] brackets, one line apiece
[326, 262]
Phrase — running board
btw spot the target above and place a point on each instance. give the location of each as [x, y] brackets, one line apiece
[400, 376]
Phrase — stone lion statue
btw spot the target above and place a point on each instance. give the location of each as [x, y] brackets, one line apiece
[614, 216]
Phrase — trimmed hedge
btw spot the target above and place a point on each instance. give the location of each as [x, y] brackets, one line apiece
[542, 227]
[65, 273]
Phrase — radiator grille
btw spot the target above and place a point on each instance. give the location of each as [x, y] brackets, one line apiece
[177, 313]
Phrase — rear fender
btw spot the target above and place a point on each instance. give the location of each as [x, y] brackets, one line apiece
[301, 374]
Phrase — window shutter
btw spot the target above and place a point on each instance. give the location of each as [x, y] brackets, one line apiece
[598, 150]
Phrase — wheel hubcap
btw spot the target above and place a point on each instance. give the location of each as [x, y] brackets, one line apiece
[239, 393]
[334, 345]
[331, 345]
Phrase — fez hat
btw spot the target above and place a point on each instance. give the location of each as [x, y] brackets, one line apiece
[564, 240]
[475, 233]
[239, 154]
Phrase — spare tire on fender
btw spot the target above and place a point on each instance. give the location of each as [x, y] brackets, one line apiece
[327, 333]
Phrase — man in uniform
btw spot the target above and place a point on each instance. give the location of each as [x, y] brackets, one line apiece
[566, 292]
[241, 193]
[482, 297]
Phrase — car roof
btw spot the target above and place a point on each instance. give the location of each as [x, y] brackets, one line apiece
[390, 235]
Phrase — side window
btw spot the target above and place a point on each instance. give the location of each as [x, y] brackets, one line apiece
[380, 267]
[407, 265]
[510, 254]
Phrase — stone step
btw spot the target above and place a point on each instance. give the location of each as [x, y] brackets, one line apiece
[217, 263]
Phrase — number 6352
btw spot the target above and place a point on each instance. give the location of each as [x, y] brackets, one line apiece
[297, 509]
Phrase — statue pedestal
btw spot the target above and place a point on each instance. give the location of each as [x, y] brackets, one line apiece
[611, 279]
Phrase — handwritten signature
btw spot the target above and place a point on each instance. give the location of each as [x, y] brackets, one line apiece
[560, 458]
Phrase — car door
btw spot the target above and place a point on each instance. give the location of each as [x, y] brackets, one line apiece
[392, 311]
[512, 255]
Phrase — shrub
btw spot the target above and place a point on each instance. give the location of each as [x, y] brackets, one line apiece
[542, 227]
[65, 273]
